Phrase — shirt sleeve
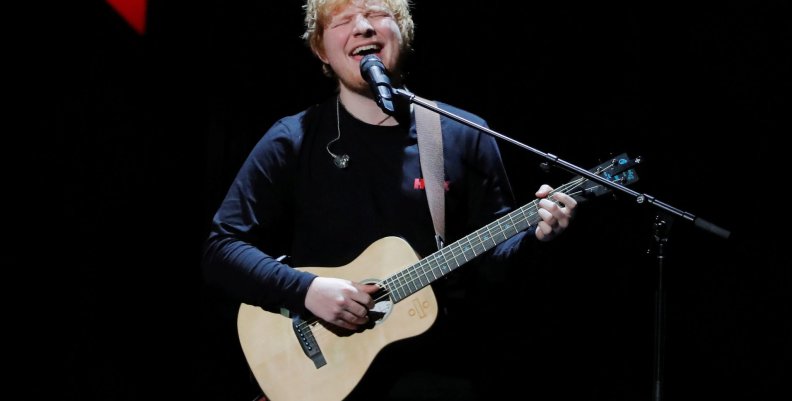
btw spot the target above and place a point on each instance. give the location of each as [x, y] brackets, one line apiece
[495, 199]
[250, 223]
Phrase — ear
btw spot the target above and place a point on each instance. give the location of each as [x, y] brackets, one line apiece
[320, 53]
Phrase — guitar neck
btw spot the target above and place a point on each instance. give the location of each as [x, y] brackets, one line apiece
[408, 281]
[401, 285]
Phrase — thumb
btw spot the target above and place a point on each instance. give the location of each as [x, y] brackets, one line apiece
[368, 288]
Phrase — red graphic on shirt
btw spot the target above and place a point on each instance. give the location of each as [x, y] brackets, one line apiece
[133, 11]
[420, 185]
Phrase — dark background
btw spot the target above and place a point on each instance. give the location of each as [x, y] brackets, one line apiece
[136, 139]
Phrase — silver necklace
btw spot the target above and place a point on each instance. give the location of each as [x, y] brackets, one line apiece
[340, 161]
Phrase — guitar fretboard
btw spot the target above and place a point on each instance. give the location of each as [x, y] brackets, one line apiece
[413, 278]
[408, 281]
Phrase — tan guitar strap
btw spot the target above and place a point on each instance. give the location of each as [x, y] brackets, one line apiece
[430, 151]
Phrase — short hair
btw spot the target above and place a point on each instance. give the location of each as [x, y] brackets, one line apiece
[318, 12]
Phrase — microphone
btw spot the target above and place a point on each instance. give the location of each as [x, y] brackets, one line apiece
[374, 72]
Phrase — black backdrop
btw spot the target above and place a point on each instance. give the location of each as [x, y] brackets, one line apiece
[137, 137]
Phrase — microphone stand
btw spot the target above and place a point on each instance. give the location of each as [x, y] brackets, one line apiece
[640, 198]
[662, 224]
[662, 227]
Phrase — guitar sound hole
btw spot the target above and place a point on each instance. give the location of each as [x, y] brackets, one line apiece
[382, 308]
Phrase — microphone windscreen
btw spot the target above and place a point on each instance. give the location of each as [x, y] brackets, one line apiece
[370, 60]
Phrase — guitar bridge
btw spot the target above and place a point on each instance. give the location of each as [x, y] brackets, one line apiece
[310, 347]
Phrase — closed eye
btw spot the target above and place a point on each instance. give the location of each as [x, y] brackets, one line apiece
[377, 14]
[340, 22]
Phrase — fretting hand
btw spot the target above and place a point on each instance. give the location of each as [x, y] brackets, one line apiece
[556, 211]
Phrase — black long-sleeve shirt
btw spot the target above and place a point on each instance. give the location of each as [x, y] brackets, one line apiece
[290, 199]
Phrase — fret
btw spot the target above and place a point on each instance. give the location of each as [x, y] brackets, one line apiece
[522, 214]
[452, 254]
[408, 281]
[488, 237]
[440, 262]
[420, 274]
[456, 254]
[404, 281]
[479, 244]
[533, 218]
[450, 251]
[411, 280]
[422, 278]
[398, 286]
[434, 274]
[503, 226]
[397, 279]
[416, 279]
[443, 262]
[467, 249]
[509, 225]
[390, 288]
[396, 289]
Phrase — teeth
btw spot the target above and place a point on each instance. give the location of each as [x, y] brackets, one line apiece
[365, 48]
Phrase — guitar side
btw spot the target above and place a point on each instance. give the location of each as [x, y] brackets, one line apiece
[282, 369]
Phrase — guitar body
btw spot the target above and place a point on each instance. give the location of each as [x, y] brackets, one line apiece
[276, 358]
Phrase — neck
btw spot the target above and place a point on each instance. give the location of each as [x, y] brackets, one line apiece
[364, 108]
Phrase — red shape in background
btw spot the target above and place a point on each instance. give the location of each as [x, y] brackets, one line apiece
[133, 11]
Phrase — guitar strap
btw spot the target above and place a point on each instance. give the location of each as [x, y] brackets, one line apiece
[430, 151]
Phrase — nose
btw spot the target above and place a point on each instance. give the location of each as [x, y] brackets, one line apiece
[362, 26]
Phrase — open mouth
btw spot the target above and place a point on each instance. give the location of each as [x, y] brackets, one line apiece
[363, 51]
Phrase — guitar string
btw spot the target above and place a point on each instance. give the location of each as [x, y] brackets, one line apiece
[566, 187]
[574, 184]
[387, 291]
[321, 331]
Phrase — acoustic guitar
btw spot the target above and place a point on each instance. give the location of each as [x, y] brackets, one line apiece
[300, 358]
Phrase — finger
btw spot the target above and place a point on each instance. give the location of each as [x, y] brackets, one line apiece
[543, 231]
[356, 309]
[565, 202]
[560, 214]
[547, 216]
[371, 289]
[568, 201]
[560, 217]
[354, 319]
[361, 295]
[543, 191]
[548, 205]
